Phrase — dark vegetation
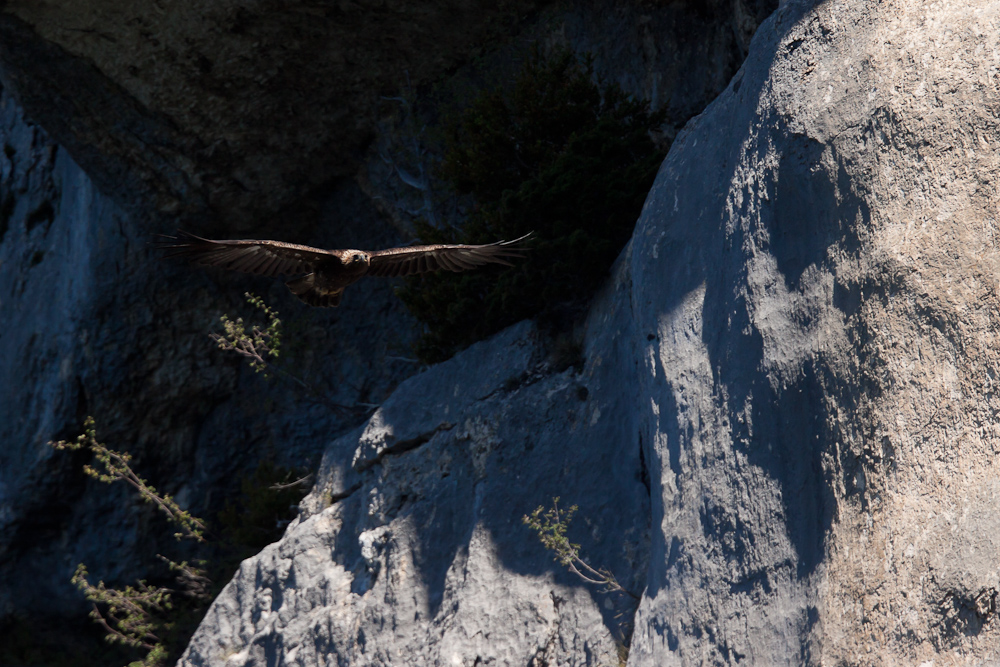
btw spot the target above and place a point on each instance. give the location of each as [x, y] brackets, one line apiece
[152, 621]
[558, 155]
[267, 502]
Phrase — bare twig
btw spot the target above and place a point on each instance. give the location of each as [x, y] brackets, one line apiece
[281, 487]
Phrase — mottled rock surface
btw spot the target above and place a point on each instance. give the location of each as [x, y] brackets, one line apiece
[96, 323]
[411, 549]
[228, 110]
[816, 274]
[124, 118]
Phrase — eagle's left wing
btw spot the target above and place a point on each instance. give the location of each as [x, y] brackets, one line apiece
[424, 258]
[264, 258]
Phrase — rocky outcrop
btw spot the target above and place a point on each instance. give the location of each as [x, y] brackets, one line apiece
[815, 270]
[411, 548]
[798, 345]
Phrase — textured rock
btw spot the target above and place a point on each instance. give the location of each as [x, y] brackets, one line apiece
[223, 109]
[209, 115]
[800, 340]
[678, 56]
[815, 271]
[422, 558]
[222, 113]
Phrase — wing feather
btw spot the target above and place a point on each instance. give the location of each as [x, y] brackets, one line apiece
[424, 258]
[266, 258]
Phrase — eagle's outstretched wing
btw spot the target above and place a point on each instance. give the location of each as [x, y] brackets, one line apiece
[264, 258]
[423, 258]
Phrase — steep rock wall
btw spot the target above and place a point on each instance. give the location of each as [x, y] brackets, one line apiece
[116, 129]
[217, 110]
[815, 272]
[96, 323]
[411, 550]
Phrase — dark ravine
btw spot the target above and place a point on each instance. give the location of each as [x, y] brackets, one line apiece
[115, 129]
[104, 327]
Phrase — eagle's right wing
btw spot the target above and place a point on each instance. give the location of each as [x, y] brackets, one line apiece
[264, 258]
[424, 258]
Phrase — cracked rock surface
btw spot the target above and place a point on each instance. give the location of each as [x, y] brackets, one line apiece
[417, 555]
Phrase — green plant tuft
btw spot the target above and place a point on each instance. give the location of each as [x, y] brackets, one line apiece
[551, 525]
[114, 466]
[261, 346]
[256, 344]
[557, 155]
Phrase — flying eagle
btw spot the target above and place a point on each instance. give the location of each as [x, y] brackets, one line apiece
[328, 272]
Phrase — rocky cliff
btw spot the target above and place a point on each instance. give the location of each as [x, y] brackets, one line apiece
[796, 350]
[125, 119]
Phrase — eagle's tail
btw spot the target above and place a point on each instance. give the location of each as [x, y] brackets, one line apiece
[305, 289]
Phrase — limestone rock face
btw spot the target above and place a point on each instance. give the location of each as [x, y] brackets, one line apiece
[227, 110]
[411, 549]
[799, 345]
[815, 288]
[121, 119]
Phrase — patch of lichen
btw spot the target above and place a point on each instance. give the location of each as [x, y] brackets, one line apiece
[557, 155]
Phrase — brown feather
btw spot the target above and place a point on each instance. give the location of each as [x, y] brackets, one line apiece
[269, 258]
[424, 258]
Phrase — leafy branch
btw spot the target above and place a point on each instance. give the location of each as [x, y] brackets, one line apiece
[129, 616]
[551, 525]
[257, 344]
[115, 466]
[262, 345]
[134, 616]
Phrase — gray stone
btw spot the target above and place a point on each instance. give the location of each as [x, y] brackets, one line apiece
[417, 555]
[815, 270]
[138, 122]
[226, 110]
[97, 323]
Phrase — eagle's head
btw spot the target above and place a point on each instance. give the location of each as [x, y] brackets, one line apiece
[358, 258]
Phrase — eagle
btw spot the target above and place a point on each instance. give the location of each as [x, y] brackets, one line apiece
[328, 272]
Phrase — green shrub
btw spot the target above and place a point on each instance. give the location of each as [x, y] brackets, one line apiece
[156, 620]
[557, 155]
